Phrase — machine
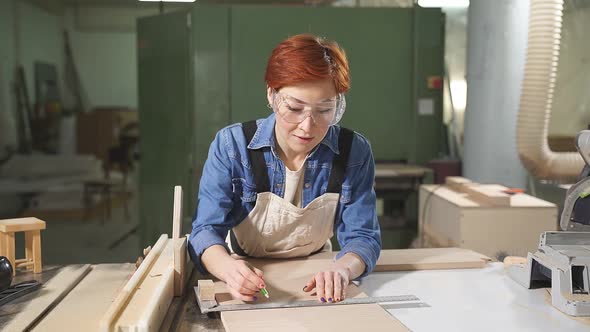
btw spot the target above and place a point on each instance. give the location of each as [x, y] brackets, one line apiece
[562, 260]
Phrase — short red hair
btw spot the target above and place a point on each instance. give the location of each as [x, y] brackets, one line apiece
[306, 57]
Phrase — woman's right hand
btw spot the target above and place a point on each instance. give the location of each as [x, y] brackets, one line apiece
[243, 280]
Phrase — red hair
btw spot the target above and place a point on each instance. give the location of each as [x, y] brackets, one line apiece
[306, 57]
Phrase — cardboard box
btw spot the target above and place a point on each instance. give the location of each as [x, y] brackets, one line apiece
[450, 218]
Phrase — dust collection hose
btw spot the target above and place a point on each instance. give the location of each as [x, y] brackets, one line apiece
[536, 100]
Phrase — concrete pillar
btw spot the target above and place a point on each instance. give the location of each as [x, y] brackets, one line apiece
[496, 45]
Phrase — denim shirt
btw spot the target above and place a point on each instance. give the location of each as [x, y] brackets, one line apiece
[227, 191]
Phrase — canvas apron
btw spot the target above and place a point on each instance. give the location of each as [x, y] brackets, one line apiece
[276, 228]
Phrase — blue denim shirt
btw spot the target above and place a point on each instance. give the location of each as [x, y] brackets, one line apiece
[227, 191]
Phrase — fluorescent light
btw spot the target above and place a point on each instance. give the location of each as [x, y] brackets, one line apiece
[443, 3]
[168, 0]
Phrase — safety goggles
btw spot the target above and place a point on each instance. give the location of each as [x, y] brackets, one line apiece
[293, 110]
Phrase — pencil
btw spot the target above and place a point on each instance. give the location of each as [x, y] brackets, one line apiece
[265, 293]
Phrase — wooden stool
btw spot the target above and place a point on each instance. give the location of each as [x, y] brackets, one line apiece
[32, 228]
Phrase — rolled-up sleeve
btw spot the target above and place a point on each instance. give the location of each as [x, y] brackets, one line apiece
[212, 222]
[358, 230]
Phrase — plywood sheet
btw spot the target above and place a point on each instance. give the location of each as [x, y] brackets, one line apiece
[429, 259]
[89, 300]
[285, 280]
[389, 260]
[359, 317]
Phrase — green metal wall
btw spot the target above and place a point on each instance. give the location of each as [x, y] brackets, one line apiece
[165, 105]
[214, 75]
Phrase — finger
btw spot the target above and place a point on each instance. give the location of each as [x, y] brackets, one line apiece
[310, 285]
[319, 287]
[338, 287]
[236, 285]
[257, 271]
[329, 286]
[243, 297]
[249, 279]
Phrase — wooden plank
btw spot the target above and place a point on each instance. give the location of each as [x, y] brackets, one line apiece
[148, 305]
[358, 317]
[179, 244]
[485, 194]
[177, 213]
[429, 259]
[180, 263]
[106, 323]
[206, 290]
[400, 259]
[89, 300]
[284, 280]
[488, 195]
[157, 307]
[457, 181]
[47, 297]
[21, 224]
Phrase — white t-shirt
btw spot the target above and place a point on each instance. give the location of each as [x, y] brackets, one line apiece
[294, 185]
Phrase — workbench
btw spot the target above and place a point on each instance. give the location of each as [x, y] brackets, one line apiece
[394, 183]
[457, 300]
[453, 300]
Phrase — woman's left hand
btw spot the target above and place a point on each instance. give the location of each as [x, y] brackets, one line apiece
[330, 285]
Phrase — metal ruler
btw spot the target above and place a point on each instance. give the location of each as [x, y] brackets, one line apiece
[212, 306]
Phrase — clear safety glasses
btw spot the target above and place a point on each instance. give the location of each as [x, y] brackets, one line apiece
[293, 110]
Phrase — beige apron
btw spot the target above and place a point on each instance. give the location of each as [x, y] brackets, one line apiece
[276, 228]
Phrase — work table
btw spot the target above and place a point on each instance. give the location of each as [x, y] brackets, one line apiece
[456, 300]
[483, 299]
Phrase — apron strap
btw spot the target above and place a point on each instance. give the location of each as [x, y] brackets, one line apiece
[257, 161]
[339, 163]
[235, 247]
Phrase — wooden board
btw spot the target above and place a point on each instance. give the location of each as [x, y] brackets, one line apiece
[21, 224]
[118, 306]
[149, 303]
[429, 259]
[284, 281]
[89, 300]
[485, 194]
[413, 259]
[358, 317]
[180, 265]
[47, 297]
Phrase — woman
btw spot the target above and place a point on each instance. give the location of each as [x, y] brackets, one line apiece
[280, 185]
